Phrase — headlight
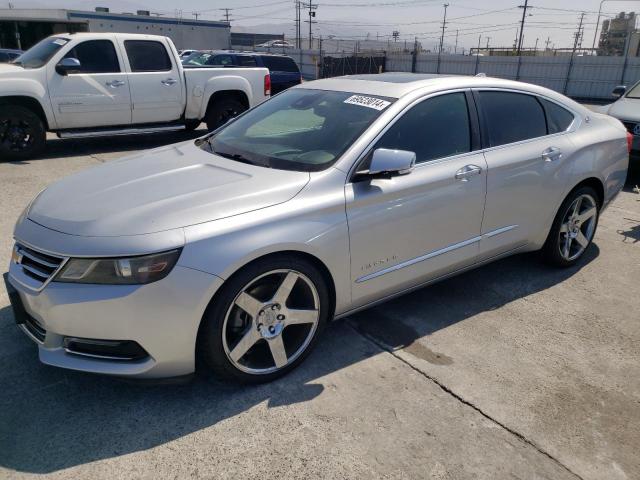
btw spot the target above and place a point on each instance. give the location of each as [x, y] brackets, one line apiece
[119, 271]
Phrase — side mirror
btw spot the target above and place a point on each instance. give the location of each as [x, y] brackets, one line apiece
[386, 162]
[619, 91]
[68, 65]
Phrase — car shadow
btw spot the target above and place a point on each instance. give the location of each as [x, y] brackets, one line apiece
[51, 419]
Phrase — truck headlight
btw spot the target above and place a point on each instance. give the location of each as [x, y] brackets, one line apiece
[119, 271]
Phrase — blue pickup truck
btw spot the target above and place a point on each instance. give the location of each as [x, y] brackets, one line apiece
[7, 54]
[283, 70]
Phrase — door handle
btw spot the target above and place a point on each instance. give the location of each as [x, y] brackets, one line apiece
[169, 81]
[468, 171]
[115, 83]
[552, 154]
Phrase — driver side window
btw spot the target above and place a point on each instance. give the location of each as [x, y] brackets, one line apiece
[435, 128]
[95, 56]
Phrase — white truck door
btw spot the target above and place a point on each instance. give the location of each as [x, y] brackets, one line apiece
[155, 80]
[94, 95]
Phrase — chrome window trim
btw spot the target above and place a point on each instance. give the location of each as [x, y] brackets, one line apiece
[575, 124]
[366, 150]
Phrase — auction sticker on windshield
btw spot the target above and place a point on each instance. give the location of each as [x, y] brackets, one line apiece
[370, 102]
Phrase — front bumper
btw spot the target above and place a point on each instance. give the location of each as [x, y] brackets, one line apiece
[162, 317]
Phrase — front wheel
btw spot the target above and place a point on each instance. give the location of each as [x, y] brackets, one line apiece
[573, 228]
[265, 320]
[22, 133]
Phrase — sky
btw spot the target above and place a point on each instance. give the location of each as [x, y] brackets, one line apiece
[495, 21]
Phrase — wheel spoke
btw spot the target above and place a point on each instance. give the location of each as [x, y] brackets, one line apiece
[576, 208]
[582, 240]
[567, 247]
[584, 216]
[249, 340]
[249, 304]
[297, 317]
[279, 354]
[564, 228]
[284, 290]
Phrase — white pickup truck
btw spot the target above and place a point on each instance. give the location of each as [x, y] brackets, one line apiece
[100, 84]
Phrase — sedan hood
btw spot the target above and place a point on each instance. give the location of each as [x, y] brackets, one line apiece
[626, 109]
[159, 190]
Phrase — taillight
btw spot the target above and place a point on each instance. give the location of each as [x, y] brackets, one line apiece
[267, 85]
[629, 142]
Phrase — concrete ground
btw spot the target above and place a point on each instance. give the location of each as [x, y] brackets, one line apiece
[515, 370]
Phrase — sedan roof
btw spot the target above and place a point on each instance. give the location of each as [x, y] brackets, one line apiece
[397, 85]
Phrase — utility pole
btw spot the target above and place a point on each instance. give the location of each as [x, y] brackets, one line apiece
[444, 24]
[524, 14]
[226, 14]
[535, 49]
[456, 47]
[547, 43]
[312, 15]
[578, 35]
[196, 14]
[488, 38]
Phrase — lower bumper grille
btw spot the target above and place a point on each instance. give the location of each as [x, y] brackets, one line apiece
[36, 330]
[123, 350]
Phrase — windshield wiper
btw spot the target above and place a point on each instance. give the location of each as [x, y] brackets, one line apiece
[238, 158]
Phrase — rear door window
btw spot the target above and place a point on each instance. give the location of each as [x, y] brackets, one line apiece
[558, 119]
[512, 117]
[147, 56]
[220, 60]
[435, 128]
[95, 56]
[280, 64]
[246, 61]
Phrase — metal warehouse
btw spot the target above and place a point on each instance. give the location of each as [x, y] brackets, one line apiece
[21, 28]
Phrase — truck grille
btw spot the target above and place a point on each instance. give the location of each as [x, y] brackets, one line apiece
[37, 265]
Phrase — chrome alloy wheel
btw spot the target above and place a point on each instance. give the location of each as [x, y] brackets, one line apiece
[271, 322]
[577, 228]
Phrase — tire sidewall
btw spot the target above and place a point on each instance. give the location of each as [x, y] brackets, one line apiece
[550, 249]
[16, 111]
[214, 111]
[210, 349]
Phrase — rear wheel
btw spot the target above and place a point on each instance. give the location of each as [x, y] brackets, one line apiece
[22, 133]
[573, 228]
[223, 110]
[265, 320]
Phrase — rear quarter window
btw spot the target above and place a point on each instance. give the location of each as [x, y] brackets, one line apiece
[280, 64]
[558, 119]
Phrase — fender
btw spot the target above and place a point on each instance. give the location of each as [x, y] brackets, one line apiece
[31, 88]
[226, 82]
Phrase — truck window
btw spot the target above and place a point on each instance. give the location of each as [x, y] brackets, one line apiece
[147, 56]
[246, 61]
[41, 52]
[280, 64]
[95, 56]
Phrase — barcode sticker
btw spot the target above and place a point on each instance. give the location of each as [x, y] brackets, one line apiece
[60, 41]
[369, 102]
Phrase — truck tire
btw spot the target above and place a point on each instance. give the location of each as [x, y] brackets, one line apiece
[223, 110]
[191, 125]
[22, 133]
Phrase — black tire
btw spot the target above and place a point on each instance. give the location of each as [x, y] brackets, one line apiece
[552, 249]
[22, 133]
[211, 346]
[191, 125]
[222, 110]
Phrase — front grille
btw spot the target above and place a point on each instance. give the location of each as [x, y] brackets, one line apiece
[37, 265]
[35, 329]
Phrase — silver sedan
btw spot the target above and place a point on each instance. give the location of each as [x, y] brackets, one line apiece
[237, 248]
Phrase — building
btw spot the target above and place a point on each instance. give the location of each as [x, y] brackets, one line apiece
[21, 28]
[616, 34]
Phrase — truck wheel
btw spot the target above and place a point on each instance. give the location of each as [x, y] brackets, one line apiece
[191, 125]
[221, 111]
[22, 133]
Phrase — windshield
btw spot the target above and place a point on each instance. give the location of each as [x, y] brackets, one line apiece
[300, 129]
[634, 92]
[41, 52]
